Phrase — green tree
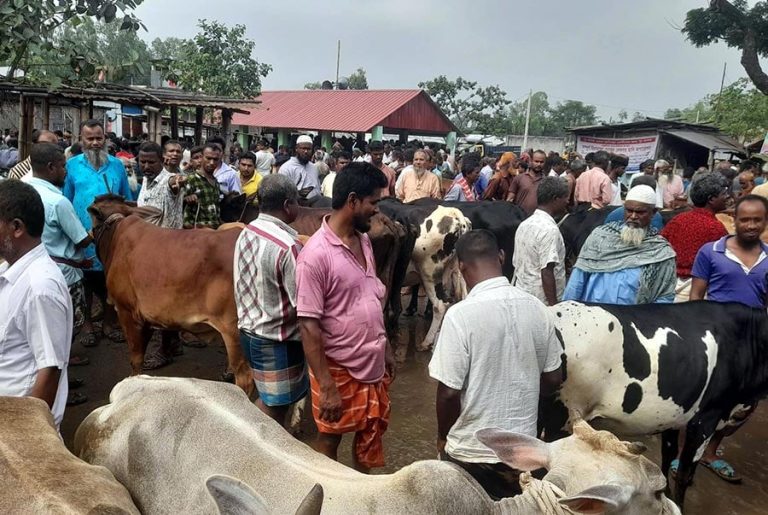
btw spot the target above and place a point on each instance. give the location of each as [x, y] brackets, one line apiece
[741, 111]
[737, 25]
[539, 124]
[638, 117]
[622, 115]
[471, 107]
[700, 112]
[313, 85]
[29, 27]
[358, 80]
[573, 113]
[220, 62]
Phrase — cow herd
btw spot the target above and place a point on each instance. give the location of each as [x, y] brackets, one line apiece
[634, 370]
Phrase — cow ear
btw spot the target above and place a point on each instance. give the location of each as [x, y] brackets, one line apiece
[233, 497]
[521, 452]
[599, 499]
[96, 212]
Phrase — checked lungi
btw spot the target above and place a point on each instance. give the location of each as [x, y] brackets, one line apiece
[279, 369]
[365, 411]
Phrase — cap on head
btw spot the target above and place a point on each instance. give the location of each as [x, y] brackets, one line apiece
[643, 194]
[304, 139]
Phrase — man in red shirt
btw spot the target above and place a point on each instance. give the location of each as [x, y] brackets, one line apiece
[688, 232]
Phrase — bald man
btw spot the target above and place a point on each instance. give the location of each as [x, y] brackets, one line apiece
[24, 168]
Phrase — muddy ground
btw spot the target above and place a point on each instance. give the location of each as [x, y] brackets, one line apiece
[411, 435]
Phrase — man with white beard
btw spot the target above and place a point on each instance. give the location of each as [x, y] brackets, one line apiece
[90, 174]
[626, 262]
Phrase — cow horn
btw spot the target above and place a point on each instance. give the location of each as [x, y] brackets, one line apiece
[637, 448]
[313, 502]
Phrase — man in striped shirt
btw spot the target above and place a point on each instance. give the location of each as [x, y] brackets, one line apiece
[265, 294]
[24, 168]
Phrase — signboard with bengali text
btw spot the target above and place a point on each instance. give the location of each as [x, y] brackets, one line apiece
[637, 149]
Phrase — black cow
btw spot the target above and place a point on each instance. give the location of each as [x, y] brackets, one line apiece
[658, 368]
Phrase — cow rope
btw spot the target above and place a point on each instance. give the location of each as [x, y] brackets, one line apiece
[546, 495]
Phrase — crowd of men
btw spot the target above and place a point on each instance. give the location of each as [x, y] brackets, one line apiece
[309, 313]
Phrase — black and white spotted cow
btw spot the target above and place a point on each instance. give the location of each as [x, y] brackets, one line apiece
[660, 368]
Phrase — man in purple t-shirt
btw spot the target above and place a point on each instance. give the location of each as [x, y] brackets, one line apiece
[734, 269]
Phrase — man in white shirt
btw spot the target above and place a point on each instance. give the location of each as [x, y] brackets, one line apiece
[339, 163]
[160, 188]
[497, 352]
[35, 307]
[616, 169]
[265, 160]
[539, 257]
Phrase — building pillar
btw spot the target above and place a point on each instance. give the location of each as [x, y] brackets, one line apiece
[326, 140]
[198, 125]
[283, 138]
[377, 133]
[450, 142]
[242, 138]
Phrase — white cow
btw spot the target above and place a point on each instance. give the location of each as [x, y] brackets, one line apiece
[163, 438]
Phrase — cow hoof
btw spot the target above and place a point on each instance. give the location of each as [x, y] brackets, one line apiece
[228, 377]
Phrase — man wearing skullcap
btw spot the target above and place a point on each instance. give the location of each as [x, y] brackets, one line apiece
[626, 262]
[302, 171]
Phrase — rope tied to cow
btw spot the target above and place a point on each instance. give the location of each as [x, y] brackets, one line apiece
[546, 495]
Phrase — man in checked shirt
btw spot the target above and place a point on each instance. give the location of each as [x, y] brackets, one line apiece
[265, 294]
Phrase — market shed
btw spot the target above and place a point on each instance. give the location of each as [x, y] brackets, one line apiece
[685, 144]
[401, 111]
[152, 101]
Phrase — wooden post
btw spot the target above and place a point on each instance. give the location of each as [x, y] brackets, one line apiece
[90, 109]
[175, 122]
[26, 121]
[226, 130]
[198, 125]
[46, 105]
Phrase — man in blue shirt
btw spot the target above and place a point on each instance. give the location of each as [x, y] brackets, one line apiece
[626, 262]
[64, 237]
[90, 174]
[734, 269]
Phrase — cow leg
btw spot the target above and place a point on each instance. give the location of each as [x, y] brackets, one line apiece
[436, 293]
[137, 335]
[697, 435]
[413, 306]
[237, 363]
[297, 413]
[669, 448]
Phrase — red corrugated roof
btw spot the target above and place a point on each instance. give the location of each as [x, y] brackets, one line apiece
[347, 111]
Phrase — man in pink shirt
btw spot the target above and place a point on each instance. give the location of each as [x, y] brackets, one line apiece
[594, 185]
[671, 185]
[341, 321]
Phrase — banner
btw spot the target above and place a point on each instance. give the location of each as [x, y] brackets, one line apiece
[764, 148]
[636, 149]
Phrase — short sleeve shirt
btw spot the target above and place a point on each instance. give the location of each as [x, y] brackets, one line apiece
[157, 193]
[493, 347]
[728, 279]
[206, 212]
[525, 187]
[63, 230]
[538, 242]
[35, 326]
[347, 300]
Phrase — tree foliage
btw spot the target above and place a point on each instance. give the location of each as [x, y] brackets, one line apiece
[471, 107]
[219, 61]
[358, 80]
[738, 26]
[29, 29]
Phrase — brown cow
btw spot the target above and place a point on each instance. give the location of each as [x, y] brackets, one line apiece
[192, 292]
[41, 476]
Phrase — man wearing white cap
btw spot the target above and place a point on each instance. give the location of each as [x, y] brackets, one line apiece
[302, 171]
[626, 262]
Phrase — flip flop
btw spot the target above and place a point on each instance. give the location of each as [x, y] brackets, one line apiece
[89, 340]
[75, 398]
[78, 361]
[156, 361]
[75, 382]
[723, 470]
[673, 470]
[116, 335]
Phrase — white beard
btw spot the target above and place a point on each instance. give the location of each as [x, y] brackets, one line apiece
[97, 158]
[633, 236]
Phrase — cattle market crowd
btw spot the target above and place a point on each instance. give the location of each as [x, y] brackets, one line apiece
[308, 304]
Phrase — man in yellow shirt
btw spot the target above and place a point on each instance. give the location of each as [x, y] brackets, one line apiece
[249, 179]
[418, 181]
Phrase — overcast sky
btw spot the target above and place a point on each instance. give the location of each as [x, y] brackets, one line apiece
[612, 53]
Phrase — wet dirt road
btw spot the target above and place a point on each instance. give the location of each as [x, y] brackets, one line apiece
[411, 435]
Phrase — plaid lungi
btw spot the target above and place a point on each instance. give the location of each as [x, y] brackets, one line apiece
[365, 411]
[77, 292]
[279, 369]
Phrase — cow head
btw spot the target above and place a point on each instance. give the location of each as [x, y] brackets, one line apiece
[104, 206]
[233, 497]
[598, 472]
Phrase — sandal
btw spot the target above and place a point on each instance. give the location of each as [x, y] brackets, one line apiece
[75, 398]
[116, 335]
[89, 339]
[673, 471]
[78, 361]
[723, 470]
[156, 361]
[75, 382]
